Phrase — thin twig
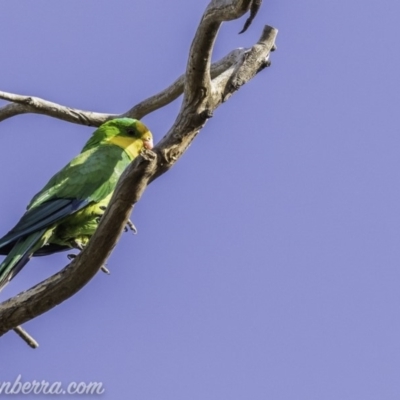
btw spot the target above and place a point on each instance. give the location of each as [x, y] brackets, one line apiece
[26, 337]
[254, 8]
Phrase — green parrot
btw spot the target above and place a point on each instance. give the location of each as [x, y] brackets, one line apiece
[65, 213]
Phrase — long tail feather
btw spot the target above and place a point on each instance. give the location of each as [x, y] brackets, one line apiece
[18, 257]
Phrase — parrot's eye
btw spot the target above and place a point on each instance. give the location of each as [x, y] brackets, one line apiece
[131, 132]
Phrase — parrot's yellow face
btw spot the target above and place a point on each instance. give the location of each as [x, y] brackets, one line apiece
[131, 135]
[145, 135]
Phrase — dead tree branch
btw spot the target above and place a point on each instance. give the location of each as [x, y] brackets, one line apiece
[29, 104]
[204, 88]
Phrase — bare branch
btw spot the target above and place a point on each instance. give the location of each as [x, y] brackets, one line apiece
[10, 110]
[201, 98]
[198, 77]
[28, 104]
[26, 337]
[194, 116]
[173, 91]
[253, 61]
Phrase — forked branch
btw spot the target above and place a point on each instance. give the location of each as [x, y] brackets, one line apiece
[204, 88]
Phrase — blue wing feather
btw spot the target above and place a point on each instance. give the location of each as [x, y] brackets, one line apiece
[40, 217]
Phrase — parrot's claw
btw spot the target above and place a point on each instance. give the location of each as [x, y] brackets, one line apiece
[103, 268]
[130, 226]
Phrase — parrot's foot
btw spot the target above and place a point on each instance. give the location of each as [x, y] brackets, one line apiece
[130, 226]
[103, 268]
[79, 246]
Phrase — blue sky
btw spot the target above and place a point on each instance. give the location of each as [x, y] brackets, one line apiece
[267, 260]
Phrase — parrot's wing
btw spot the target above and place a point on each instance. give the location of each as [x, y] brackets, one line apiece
[89, 177]
[50, 248]
[18, 256]
[19, 242]
[41, 217]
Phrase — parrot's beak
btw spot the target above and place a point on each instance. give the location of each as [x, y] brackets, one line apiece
[148, 144]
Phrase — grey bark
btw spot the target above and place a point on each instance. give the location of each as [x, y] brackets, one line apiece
[204, 87]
